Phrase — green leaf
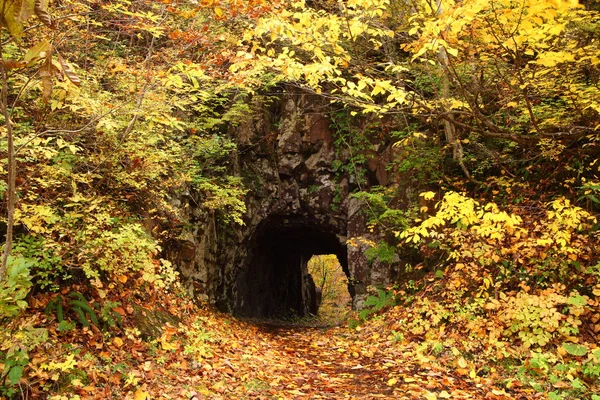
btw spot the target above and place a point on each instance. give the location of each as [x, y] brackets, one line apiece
[574, 349]
[577, 384]
[15, 374]
[577, 300]
[65, 326]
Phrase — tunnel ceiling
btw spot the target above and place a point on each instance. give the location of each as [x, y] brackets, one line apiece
[276, 283]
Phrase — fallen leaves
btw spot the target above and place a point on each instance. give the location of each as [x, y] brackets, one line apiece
[165, 339]
[141, 395]
[211, 355]
[117, 341]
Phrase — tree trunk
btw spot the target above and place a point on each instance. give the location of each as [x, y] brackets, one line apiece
[12, 169]
[449, 127]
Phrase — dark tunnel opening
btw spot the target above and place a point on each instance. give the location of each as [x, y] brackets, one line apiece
[276, 282]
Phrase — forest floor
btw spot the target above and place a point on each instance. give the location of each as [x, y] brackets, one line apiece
[209, 355]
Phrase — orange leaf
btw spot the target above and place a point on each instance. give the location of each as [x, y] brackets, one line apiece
[184, 365]
[13, 64]
[116, 379]
[119, 310]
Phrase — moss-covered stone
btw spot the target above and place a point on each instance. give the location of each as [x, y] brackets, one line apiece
[152, 322]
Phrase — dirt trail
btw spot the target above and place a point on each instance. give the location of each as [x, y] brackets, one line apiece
[316, 363]
[325, 365]
[214, 356]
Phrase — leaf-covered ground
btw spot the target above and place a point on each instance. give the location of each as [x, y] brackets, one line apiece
[208, 355]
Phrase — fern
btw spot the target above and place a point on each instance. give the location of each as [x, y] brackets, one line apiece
[78, 306]
[376, 303]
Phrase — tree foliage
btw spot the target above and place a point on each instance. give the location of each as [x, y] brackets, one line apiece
[116, 121]
[101, 141]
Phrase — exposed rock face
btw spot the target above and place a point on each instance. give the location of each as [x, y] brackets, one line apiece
[298, 206]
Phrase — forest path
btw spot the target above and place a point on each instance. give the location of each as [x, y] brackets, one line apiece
[336, 363]
[211, 355]
[326, 363]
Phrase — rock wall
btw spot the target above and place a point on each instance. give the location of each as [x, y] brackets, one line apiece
[297, 206]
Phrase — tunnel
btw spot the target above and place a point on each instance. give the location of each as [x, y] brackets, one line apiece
[275, 282]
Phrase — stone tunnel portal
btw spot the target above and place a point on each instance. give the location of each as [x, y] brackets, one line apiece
[276, 282]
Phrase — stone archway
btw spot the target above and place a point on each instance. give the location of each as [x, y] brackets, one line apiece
[275, 282]
[298, 205]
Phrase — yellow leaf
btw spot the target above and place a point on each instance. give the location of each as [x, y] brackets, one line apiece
[487, 282]
[392, 382]
[427, 195]
[451, 51]
[218, 12]
[118, 342]
[141, 395]
[166, 345]
[76, 382]
[218, 386]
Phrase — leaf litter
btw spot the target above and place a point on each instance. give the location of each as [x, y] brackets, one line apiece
[210, 355]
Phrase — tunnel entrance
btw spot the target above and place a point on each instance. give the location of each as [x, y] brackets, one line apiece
[276, 282]
[333, 297]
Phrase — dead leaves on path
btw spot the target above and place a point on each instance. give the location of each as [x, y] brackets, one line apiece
[213, 356]
[353, 367]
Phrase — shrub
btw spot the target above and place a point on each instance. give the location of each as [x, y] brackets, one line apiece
[15, 287]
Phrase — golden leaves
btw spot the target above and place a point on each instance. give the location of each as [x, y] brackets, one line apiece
[219, 12]
[37, 218]
[553, 58]
[65, 366]
[16, 12]
[165, 339]
[427, 195]
[141, 395]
